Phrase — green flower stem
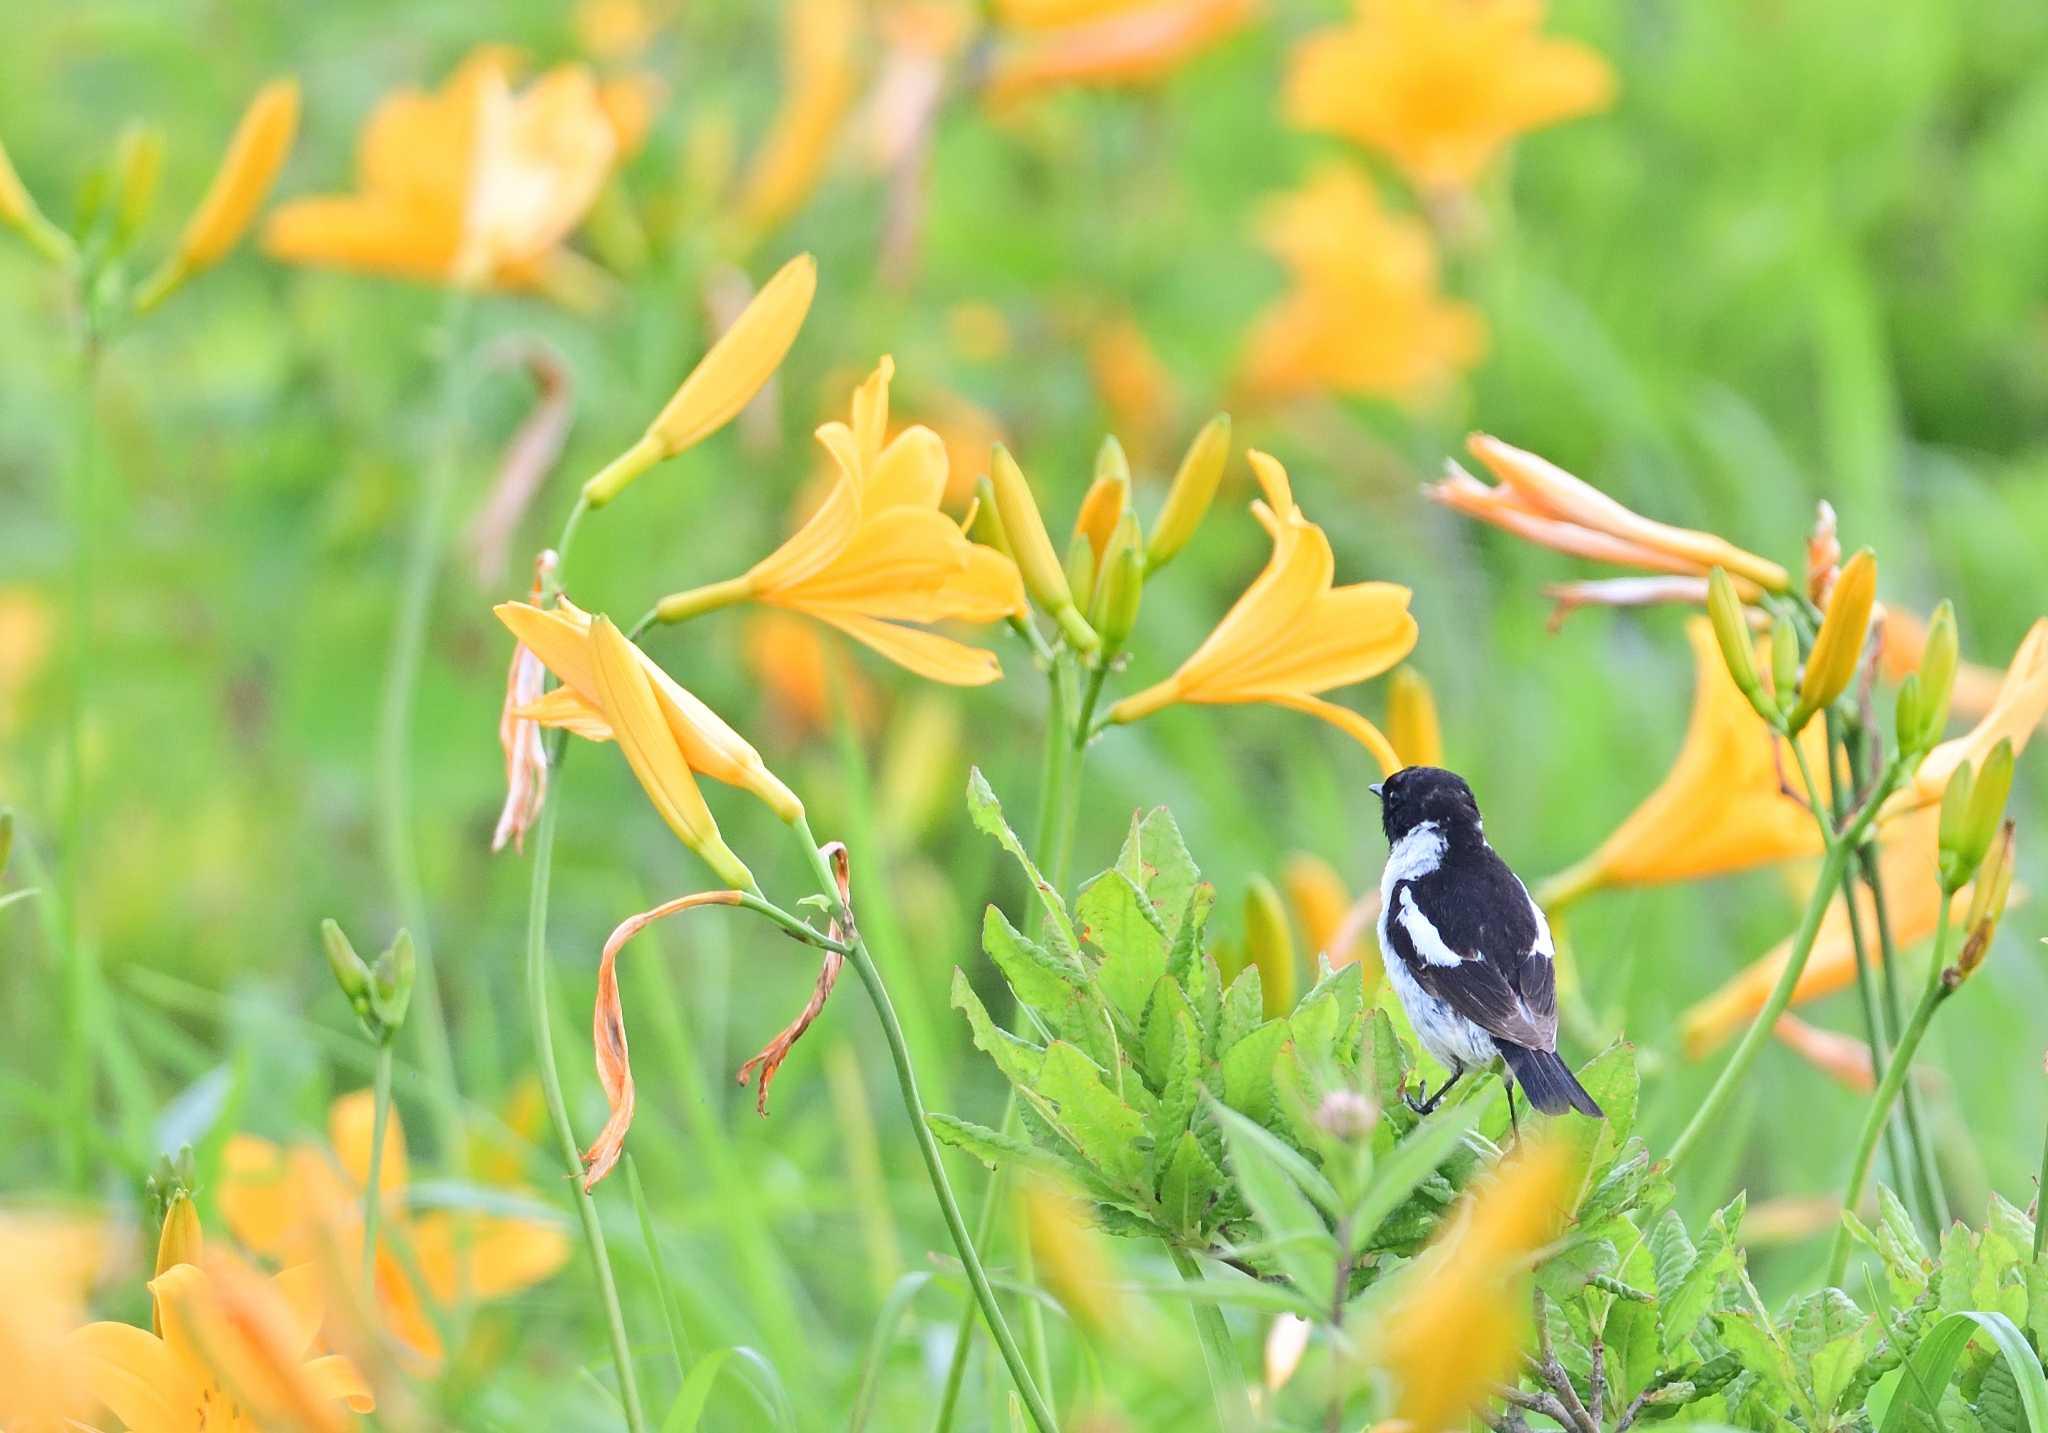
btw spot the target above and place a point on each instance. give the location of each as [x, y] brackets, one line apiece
[1918, 1127]
[2041, 1206]
[1938, 990]
[373, 1191]
[551, 1089]
[400, 853]
[927, 1145]
[1226, 1380]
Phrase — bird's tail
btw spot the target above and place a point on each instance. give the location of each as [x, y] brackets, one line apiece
[1548, 1081]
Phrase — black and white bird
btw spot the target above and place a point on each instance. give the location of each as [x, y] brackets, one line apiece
[1466, 949]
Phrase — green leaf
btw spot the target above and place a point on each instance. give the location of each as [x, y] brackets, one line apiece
[1830, 1338]
[1594, 1145]
[1247, 1070]
[1916, 1402]
[1270, 1177]
[688, 1409]
[1244, 1009]
[1566, 1272]
[1387, 1061]
[1314, 1022]
[1956, 1279]
[1040, 979]
[1240, 1130]
[987, 814]
[1155, 859]
[1183, 1076]
[1745, 1336]
[1189, 1186]
[1119, 922]
[1402, 1170]
[1107, 1133]
[996, 1149]
[1019, 1060]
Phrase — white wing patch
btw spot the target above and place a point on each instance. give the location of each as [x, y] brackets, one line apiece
[1428, 944]
[1544, 946]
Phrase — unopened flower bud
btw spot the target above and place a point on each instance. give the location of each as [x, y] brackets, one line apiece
[1108, 498]
[1838, 649]
[350, 973]
[1987, 902]
[1123, 584]
[1971, 808]
[1080, 570]
[255, 154]
[179, 1240]
[985, 524]
[138, 165]
[1193, 490]
[18, 212]
[1269, 945]
[1937, 674]
[1032, 550]
[1411, 719]
[391, 981]
[1731, 630]
[1784, 663]
[1347, 1114]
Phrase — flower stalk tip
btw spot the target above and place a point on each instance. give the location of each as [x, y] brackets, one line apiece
[1192, 492]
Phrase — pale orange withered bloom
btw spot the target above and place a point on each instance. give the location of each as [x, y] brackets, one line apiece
[233, 1351]
[1732, 800]
[1542, 503]
[1366, 314]
[878, 560]
[526, 760]
[1842, 1058]
[1907, 868]
[819, 83]
[1293, 634]
[2015, 711]
[302, 1205]
[474, 184]
[48, 1263]
[1110, 44]
[1442, 88]
[1457, 1324]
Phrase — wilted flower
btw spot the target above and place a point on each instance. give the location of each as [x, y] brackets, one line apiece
[1107, 43]
[1292, 634]
[526, 759]
[1458, 1321]
[1842, 1058]
[47, 1266]
[471, 185]
[1731, 801]
[1542, 503]
[818, 78]
[878, 554]
[1366, 314]
[302, 1205]
[254, 155]
[1441, 89]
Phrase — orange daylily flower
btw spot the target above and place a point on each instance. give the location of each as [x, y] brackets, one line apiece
[630, 103]
[301, 1204]
[47, 1265]
[1721, 808]
[818, 89]
[791, 663]
[232, 1351]
[1107, 44]
[1441, 89]
[2015, 712]
[1366, 315]
[1136, 389]
[1842, 1058]
[470, 185]
[1912, 903]
[878, 554]
[1333, 923]
[1542, 503]
[1292, 634]
[1458, 1322]
[611, 690]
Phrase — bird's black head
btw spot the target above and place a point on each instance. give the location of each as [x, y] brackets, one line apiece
[1416, 794]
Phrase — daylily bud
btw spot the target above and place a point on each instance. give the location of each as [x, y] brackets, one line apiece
[1111, 464]
[254, 155]
[179, 1241]
[1123, 584]
[1109, 496]
[1731, 630]
[350, 973]
[391, 980]
[19, 212]
[1937, 679]
[1411, 719]
[1194, 488]
[986, 526]
[1032, 550]
[1080, 570]
[724, 381]
[1910, 714]
[1971, 807]
[1270, 945]
[138, 164]
[1987, 902]
[1838, 649]
[1784, 663]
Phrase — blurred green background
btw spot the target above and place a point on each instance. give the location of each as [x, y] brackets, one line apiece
[1805, 255]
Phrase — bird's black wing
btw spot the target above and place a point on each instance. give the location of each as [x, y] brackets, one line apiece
[1474, 908]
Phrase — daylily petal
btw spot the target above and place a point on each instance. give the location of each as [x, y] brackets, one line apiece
[638, 725]
[484, 1256]
[1350, 723]
[298, 1290]
[135, 1374]
[569, 709]
[929, 655]
[337, 1378]
[818, 87]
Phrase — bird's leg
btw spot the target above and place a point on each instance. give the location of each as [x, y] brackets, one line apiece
[1514, 1124]
[1436, 1099]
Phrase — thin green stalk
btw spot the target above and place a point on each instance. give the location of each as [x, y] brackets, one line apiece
[928, 1147]
[1938, 990]
[373, 1190]
[1919, 1128]
[2041, 1205]
[558, 1108]
[423, 561]
[1226, 1380]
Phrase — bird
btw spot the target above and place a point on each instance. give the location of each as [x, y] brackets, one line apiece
[1466, 948]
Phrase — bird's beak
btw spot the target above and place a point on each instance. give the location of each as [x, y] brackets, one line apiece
[1376, 790]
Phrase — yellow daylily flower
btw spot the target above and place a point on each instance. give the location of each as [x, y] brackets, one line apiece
[1411, 719]
[1292, 634]
[474, 184]
[611, 690]
[1721, 808]
[1542, 503]
[2016, 710]
[1441, 89]
[1912, 887]
[303, 1203]
[234, 1354]
[254, 156]
[791, 662]
[818, 82]
[1366, 314]
[47, 1266]
[1457, 1324]
[878, 554]
[1111, 44]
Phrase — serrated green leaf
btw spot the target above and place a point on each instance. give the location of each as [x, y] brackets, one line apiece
[1956, 1278]
[1594, 1145]
[1121, 924]
[1155, 859]
[1268, 1174]
[1042, 980]
[1387, 1060]
[1189, 1186]
[1184, 1075]
[1246, 1069]
[1019, 1060]
[1829, 1337]
[1566, 1272]
[1105, 1132]
[1242, 1131]
[1744, 1336]
[987, 814]
[1243, 1009]
[1404, 1168]
[1918, 1401]
[996, 1149]
[1314, 1022]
